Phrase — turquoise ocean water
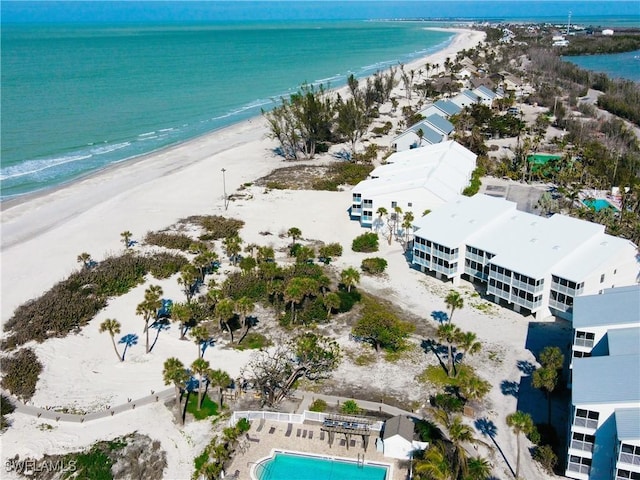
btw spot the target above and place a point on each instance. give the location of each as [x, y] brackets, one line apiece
[88, 84]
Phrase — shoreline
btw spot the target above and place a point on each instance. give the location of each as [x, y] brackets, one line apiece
[43, 233]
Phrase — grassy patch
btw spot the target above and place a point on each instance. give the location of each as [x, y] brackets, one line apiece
[253, 341]
[436, 375]
[403, 351]
[94, 464]
[209, 408]
[318, 405]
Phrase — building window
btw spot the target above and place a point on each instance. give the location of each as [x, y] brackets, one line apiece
[409, 204]
[582, 441]
[629, 454]
[579, 464]
[584, 339]
[394, 204]
[586, 418]
[602, 278]
[579, 354]
[626, 474]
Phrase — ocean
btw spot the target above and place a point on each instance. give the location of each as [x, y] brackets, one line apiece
[89, 84]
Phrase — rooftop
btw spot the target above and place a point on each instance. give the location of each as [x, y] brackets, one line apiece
[448, 107]
[398, 425]
[440, 123]
[628, 423]
[611, 379]
[484, 91]
[624, 341]
[616, 306]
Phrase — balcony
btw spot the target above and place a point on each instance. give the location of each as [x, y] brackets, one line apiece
[629, 459]
[421, 247]
[582, 446]
[585, 423]
[445, 256]
[578, 468]
[475, 273]
[562, 307]
[356, 211]
[584, 342]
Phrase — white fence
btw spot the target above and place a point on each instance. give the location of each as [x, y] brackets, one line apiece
[289, 417]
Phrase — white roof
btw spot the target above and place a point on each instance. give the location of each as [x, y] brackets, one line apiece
[522, 242]
[616, 306]
[542, 243]
[442, 169]
[453, 223]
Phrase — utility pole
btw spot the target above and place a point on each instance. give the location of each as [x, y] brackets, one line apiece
[224, 187]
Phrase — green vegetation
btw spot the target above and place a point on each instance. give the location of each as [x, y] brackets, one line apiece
[253, 341]
[476, 182]
[6, 407]
[215, 226]
[350, 407]
[209, 408]
[342, 173]
[379, 326]
[177, 241]
[72, 303]
[374, 266]
[318, 405]
[367, 243]
[602, 44]
[20, 373]
[330, 251]
[216, 455]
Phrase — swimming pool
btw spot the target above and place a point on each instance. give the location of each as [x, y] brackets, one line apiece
[288, 465]
[598, 204]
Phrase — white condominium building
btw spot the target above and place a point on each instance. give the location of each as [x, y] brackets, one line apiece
[414, 180]
[604, 434]
[534, 264]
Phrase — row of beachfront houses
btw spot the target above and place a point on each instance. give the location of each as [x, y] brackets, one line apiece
[604, 430]
[435, 127]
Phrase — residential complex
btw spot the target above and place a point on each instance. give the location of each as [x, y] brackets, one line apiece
[533, 264]
[604, 435]
[414, 180]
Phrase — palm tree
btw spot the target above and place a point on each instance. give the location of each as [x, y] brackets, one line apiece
[220, 379]
[459, 434]
[181, 313]
[467, 342]
[204, 260]
[331, 301]
[294, 292]
[199, 334]
[224, 314]
[244, 306]
[113, 327]
[454, 301]
[304, 253]
[85, 259]
[472, 387]
[149, 307]
[546, 378]
[449, 333]
[478, 468]
[200, 367]
[188, 277]
[552, 357]
[175, 373]
[126, 238]
[265, 254]
[349, 277]
[435, 463]
[519, 422]
[233, 246]
[294, 233]
[407, 223]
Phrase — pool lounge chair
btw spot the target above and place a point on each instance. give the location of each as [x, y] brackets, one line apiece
[289, 429]
[260, 425]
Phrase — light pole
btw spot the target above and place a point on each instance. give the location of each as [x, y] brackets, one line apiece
[224, 187]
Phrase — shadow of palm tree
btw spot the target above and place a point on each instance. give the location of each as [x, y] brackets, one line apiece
[129, 340]
[159, 325]
[429, 345]
[526, 367]
[440, 316]
[510, 388]
[210, 342]
[488, 429]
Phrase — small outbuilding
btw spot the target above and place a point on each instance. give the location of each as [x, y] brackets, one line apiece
[397, 438]
[607, 31]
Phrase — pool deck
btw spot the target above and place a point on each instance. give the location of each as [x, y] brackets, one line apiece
[272, 437]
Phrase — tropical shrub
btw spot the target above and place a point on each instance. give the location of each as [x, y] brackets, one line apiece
[330, 250]
[545, 456]
[176, 241]
[318, 405]
[6, 407]
[21, 372]
[367, 243]
[215, 226]
[350, 407]
[375, 265]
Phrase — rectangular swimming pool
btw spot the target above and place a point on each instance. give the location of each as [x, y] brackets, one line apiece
[598, 204]
[289, 465]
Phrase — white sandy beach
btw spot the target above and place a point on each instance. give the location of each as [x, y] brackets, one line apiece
[43, 235]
